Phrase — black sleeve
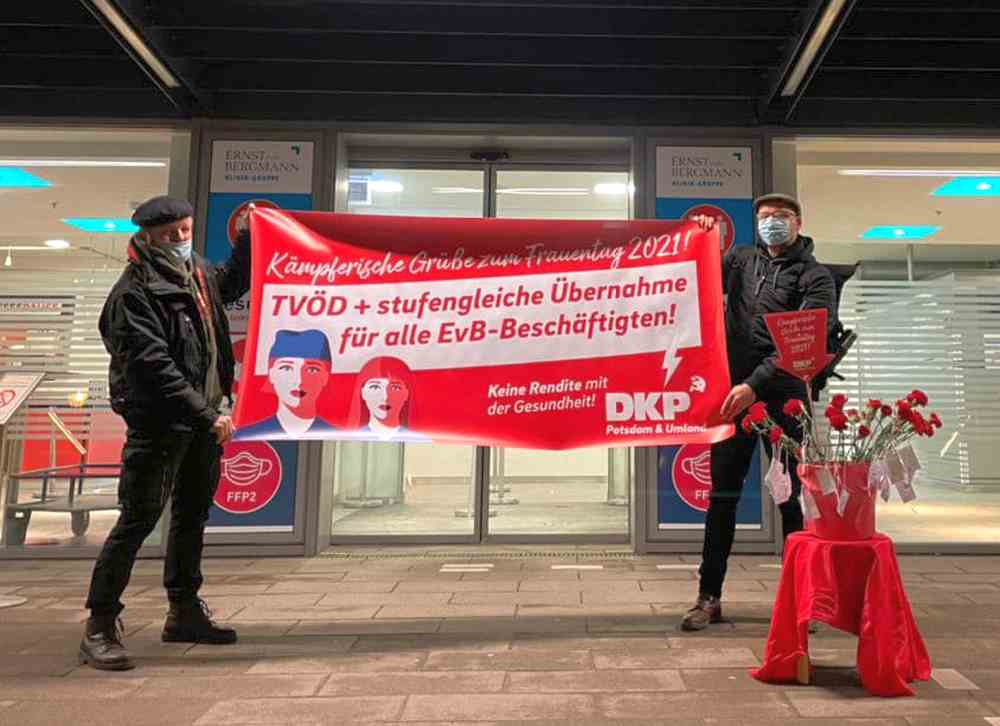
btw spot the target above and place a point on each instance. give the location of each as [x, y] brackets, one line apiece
[818, 292]
[141, 341]
[732, 263]
[233, 275]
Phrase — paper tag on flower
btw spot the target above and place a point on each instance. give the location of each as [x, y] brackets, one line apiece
[909, 458]
[809, 508]
[779, 481]
[827, 482]
[878, 478]
[842, 496]
[895, 469]
[906, 491]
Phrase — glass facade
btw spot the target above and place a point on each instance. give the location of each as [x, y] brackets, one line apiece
[66, 196]
[915, 213]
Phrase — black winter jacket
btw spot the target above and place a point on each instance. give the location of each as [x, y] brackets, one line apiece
[152, 328]
[756, 284]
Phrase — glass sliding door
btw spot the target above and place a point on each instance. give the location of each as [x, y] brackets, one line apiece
[584, 492]
[440, 492]
[386, 490]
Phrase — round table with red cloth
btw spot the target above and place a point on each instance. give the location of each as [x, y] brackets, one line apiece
[855, 587]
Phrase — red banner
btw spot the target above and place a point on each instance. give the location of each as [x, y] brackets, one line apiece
[526, 333]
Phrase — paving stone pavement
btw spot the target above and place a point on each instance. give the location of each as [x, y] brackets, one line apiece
[388, 637]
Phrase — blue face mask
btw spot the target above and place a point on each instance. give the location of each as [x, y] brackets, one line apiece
[774, 231]
[181, 251]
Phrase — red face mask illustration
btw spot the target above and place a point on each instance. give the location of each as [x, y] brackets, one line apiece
[699, 467]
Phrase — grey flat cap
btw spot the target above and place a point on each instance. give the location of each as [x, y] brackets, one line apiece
[786, 200]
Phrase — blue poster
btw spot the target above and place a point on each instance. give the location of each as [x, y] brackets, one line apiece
[257, 480]
[716, 181]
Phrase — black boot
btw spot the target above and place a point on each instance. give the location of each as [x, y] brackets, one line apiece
[102, 645]
[191, 622]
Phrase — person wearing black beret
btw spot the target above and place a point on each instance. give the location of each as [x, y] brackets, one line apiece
[172, 366]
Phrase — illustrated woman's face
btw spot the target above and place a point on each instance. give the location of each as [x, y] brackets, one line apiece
[385, 398]
[298, 383]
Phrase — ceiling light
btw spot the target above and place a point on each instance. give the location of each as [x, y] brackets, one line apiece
[917, 172]
[546, 191]
[57, 244]
[616, 188]
[812, 46]
[8, 260]
[135, 42]
[102, 225]
[900, 232]
[14, 178]
[970, 186]
[456, 190]
[385, 185]
[36, 248]
[81, 163]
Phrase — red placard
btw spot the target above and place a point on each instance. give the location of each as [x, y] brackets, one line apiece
[800, 339]
[529, 333]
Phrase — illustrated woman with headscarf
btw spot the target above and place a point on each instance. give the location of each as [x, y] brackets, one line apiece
[382, 401]
[298, 370]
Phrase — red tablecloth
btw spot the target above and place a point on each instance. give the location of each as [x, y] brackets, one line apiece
[852, 586]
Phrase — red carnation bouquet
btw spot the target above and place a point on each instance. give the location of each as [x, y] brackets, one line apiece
[862, 450]
[854, 435]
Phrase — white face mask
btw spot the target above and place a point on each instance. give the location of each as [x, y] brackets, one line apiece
[774, 231]
[181, 251]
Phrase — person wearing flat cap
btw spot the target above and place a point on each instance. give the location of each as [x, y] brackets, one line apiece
[172, 365]
[777, 274]
[298, 370]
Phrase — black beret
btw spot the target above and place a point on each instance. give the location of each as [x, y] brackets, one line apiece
[161, 210]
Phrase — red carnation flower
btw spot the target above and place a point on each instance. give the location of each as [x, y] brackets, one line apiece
[886, 410]
[746, 425]
[775, 434]
[838, 401]
[794, 408]
[758, 413]
[874, 404]
[917, 398]
[905, 410]
[920, 424]
[864, 432]
[854, 415]
[838, 421]
[935, 421]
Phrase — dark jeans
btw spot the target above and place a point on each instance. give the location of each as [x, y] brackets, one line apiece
[184, 466]
[730, 465]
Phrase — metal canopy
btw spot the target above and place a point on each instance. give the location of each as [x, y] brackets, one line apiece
[646, 62]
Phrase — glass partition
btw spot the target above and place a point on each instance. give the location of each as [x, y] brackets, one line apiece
[919, 215]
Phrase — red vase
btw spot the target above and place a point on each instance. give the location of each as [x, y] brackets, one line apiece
[858, 519]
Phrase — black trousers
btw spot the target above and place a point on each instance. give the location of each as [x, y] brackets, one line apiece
[183, 467]
[731, 461]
